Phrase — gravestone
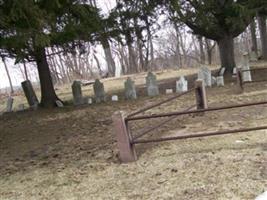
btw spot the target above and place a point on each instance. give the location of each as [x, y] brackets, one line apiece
[99, 91]
[30, 94]
[114, 98]
[234, 71]
[129, 89]
[222, 71]
[9, 104]
[90, 101]
[77, 93]
[253, 56]
[246, 74]
[205, 75]
[59, 104]
[220, 81]
[213, 80]
[151, 85]
[169, 91]
[181, 85]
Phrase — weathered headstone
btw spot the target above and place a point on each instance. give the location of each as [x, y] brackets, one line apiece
[205, 75]
[129, 89]
[234, 71]
[30, 94]
[99, 91]
[220, 81]
[222, 71]
[114, 98]
[9, 104]
[213, 80]
[90, 101]
[253, 56]
[181, 85]
[246, 74]
[77, 93]
[169, 91]
[151, 85]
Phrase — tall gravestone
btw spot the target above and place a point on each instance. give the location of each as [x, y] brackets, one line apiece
[205, 75]
[77, 93]
[129, 89]
[9, 104]
[220, 81]
[151, 85]
[30, 94]
[181, 85]
[246, 74]
[99, 91]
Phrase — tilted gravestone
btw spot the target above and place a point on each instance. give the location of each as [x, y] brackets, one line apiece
[77, 93]
[181, 85]
[114, 98]
[246, 74]
[222, 71]
[151, 85]
[129, 89]
[205, 75]
[9, 104]
[59, 104]
[220, 81]
[99, 91]
[30, 94]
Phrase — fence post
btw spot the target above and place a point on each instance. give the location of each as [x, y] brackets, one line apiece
[239, 80]
[126, 149]
[201, 97]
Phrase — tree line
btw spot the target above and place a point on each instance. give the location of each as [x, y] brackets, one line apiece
[54, 34]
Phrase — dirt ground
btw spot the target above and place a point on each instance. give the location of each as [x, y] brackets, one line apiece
[71, 153]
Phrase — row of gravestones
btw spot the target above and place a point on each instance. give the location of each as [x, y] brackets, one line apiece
[129, 90]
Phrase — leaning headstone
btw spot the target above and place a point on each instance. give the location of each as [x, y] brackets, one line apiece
[222, 71]
[246, 74]
[220, 81]
[114, 98]
[205, 75]
[129, 89]
[30, 94]
[59, 104]
[99, 91]
[9, 104]
[181, 85]
[169, 91]
[151, 85]
[77, 93]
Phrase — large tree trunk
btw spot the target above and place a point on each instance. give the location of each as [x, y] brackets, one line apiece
[108, 56]
[226, 48]
[254, 46]
[48, 95]
[8, 76]
[263, 34]
[201, 49]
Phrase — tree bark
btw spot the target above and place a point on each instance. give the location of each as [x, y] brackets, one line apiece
[226, 48]
[108, 55]
[8, 76]
[48, 94]
[201, 49]
[263, 35]
[254, 46]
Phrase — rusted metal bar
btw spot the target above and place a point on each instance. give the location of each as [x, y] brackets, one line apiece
[148, 130]
[224, 132]
[160, 103]
[194, 111]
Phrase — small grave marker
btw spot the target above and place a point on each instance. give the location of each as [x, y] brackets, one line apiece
[129, 89]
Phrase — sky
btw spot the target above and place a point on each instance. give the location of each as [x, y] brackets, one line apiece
[14, 71]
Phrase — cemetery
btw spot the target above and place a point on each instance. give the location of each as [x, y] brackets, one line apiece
[133, 100]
